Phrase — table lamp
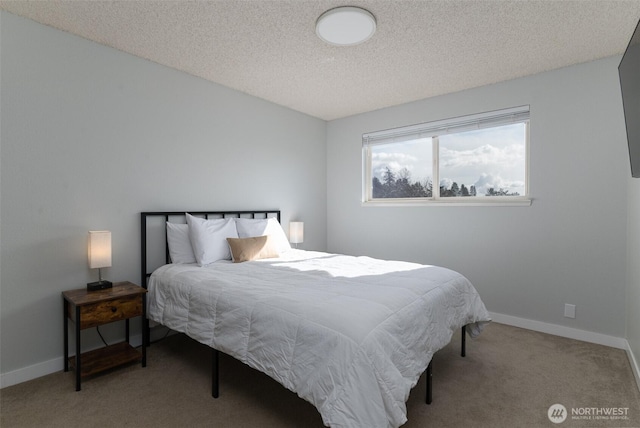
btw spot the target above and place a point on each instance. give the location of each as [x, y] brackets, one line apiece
[99, 257]
[296, 232]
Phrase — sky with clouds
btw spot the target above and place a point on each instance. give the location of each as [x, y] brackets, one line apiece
[493, 157]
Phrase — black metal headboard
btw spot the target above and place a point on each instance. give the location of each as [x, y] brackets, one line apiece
[168, 215]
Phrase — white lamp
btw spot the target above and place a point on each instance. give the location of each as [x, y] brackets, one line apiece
[296, 232]
[99, 257]
[346, 26]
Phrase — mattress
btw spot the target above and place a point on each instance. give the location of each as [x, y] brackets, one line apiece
[351, 335]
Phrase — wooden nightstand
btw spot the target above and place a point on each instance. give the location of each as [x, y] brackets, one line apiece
[93, 308]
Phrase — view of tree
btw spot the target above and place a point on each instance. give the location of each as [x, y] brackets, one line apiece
[400, 185]
[500, 192]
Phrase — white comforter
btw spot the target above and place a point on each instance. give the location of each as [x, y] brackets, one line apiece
[351, 335]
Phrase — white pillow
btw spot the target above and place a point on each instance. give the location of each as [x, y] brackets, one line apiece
[209, 238]
[180, 249]
[251, 227]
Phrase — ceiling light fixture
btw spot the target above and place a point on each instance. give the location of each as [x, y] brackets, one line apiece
[346, 26]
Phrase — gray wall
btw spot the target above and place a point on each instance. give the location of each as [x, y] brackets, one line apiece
[92, 136]
[633, 268]
[569, 246]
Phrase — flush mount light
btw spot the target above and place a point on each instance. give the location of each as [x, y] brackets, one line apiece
[346, 26]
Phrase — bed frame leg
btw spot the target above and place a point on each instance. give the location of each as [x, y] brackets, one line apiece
[147, 329]
[463, 351]
[215, 357]
[429, 380]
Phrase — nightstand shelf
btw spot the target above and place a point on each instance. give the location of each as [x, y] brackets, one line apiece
[88, 309]
[106, 358]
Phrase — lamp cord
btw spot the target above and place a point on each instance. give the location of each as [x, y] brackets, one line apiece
[150, 342]
[100, 334]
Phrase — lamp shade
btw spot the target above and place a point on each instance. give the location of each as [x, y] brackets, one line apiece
[99, 249]
[296, 232]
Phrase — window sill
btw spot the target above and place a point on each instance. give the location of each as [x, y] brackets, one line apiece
[453, 202]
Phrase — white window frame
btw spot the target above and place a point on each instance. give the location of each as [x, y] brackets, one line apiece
[433, 130]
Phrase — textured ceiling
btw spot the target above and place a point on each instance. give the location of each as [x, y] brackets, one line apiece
[269, 49]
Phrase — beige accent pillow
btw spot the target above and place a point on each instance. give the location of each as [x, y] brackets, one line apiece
[254, 248]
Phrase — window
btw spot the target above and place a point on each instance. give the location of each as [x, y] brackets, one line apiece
[475, 159]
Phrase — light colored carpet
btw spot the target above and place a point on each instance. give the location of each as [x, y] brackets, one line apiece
[509, 378]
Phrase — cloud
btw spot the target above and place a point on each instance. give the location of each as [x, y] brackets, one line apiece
[446, 183]
[487, 181]
[484, 155]
[394, 161]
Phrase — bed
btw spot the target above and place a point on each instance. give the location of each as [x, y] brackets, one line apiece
[351, 335]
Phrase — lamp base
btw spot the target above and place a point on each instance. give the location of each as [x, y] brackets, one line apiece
[99, 285]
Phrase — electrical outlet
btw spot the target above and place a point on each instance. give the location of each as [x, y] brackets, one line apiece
[569, 310]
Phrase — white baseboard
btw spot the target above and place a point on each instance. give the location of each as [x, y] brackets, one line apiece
[46, 367]
[562, 331]
[634, 364]
[31, 372]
